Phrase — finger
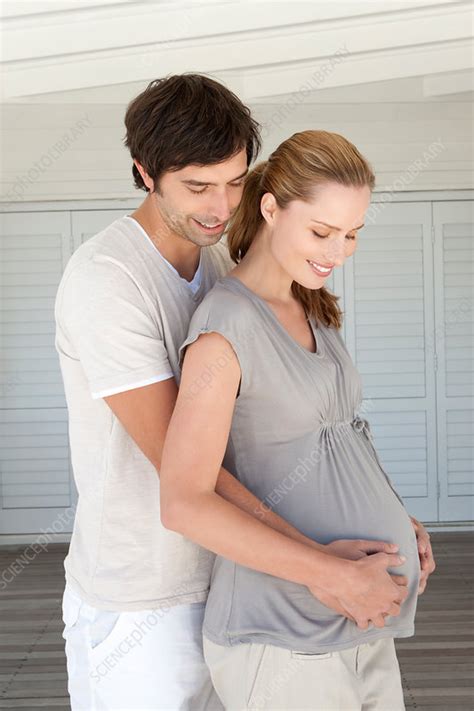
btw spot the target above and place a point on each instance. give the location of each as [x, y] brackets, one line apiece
[431, 560]
[425, 563]
[394, 610]
[378, 621]
[422, 547]
[401, 580]
[371, 547]
[362, 624]
[423, 575]
[394, 559]
[423, 539]
[423, 542]
[400, 593]
[347, 614]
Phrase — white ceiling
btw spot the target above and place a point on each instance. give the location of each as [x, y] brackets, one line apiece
[105, 51]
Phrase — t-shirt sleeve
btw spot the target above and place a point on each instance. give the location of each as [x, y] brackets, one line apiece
[104, 320]
[230, 316]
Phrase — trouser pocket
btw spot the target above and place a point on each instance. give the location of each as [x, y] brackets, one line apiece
[309, 656]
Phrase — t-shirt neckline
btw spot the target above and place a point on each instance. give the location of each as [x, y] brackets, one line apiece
[188, 285]
[252, 295]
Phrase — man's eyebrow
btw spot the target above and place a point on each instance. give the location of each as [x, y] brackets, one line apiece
[201, 183]
[336, 228]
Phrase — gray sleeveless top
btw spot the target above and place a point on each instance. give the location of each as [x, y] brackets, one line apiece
[299, 444]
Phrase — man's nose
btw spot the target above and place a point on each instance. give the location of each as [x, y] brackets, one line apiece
[220, 208]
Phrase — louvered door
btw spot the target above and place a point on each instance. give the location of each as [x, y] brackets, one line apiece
[398, 286]
[453, 345]
[36, 484]
[389, 303]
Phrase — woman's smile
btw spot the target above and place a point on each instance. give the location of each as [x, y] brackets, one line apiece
[319, 269]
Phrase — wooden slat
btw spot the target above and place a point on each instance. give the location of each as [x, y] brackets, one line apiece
[437, 664]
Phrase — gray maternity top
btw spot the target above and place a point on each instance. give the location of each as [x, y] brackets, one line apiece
[298, 443]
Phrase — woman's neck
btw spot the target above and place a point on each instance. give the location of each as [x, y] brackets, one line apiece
[261, 273]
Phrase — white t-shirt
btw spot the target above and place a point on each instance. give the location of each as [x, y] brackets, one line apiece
[122, 312]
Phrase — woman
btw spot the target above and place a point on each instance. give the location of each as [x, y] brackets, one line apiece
[281, 408]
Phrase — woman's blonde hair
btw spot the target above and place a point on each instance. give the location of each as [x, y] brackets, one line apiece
[293, 172]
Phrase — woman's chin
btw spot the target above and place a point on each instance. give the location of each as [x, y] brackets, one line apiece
[311, 283]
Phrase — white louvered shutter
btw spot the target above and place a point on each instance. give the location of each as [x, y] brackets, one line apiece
[454, 292]
[388, 295]
[36, 484]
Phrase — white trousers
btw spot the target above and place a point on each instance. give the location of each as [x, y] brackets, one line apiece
[136, 661]
[262, 676]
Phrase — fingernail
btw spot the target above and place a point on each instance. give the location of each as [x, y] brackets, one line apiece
[402, 558]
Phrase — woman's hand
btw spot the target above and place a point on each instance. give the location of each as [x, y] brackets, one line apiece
[355, 549]
[351, 549]
[365, 591]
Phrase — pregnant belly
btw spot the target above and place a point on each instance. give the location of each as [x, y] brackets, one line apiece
[388, 521]
[346, 495]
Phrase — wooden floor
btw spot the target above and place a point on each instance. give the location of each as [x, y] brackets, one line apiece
[437, 664]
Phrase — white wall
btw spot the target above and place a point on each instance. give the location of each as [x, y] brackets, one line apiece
[61, 151]
[393, 76]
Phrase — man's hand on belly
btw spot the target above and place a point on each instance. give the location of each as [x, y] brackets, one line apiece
[425, 552]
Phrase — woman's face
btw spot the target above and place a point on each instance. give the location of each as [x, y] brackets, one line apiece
[309, 239]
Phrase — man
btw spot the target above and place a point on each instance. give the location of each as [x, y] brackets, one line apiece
[135, 592]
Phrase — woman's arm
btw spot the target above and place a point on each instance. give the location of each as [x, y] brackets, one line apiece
[193, 452]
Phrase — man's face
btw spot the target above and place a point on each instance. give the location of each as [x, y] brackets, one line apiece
[196, 202]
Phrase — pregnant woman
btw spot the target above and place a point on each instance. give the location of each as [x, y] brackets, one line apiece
[270, 391]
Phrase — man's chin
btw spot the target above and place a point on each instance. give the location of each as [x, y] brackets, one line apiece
[202, 240]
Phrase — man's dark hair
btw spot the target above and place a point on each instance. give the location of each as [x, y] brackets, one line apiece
[187, 119]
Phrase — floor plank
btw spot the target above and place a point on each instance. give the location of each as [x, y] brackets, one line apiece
[437, 664]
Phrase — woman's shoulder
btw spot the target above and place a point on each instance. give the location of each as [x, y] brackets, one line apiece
[226, 311]
[225, 302]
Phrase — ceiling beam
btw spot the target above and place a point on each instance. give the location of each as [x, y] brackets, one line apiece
[449, 83]
[288, 53]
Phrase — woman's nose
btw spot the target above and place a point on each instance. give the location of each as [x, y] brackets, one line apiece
[335, 253]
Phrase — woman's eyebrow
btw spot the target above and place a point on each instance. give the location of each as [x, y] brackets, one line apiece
[336, 228]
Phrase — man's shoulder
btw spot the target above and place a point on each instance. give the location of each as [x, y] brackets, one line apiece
[109, 252]
[99, 268]
[110, 241]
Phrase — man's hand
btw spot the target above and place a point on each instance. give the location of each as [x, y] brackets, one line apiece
[427, 561]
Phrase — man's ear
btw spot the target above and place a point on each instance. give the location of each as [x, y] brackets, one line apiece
[145, 177]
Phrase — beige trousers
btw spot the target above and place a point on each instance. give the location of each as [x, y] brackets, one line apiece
[262, 676]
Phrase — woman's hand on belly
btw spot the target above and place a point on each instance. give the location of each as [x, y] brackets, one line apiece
[365, 591]
[357, 548]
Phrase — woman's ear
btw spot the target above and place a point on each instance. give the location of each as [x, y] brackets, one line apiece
[268, 208]
[145, 177]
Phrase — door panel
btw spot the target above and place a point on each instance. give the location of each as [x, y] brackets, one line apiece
[454, 270]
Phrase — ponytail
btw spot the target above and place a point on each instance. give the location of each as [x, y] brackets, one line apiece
[248, 217]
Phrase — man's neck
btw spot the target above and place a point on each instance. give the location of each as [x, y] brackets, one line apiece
[183, 255]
